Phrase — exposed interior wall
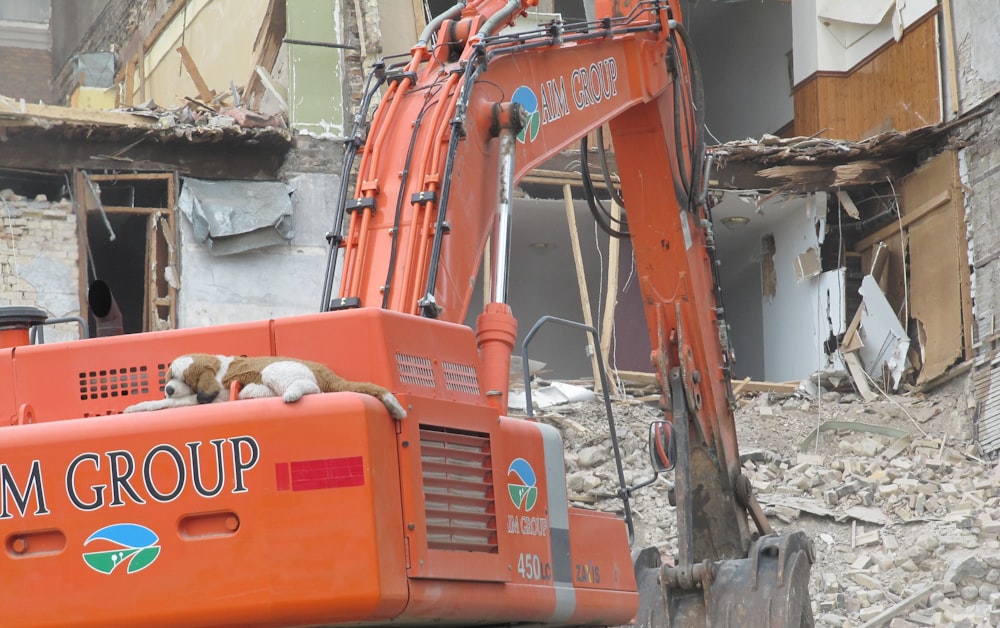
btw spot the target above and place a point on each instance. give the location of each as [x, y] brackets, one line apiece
[896, 89]
[316, 93]
[747, 81]
[219, 36]
[823, 44]
[793, 330]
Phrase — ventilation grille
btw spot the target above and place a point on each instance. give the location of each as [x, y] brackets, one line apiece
[460, 377]
[458, 490]
[415, 370]
[127, 381]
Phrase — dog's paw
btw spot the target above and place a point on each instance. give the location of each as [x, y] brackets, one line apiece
[393, 406]
[155, 404]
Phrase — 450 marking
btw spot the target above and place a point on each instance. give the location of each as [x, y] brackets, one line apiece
[530, 567]
[588, 572]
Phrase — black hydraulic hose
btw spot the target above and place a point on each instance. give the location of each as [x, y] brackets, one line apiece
[375, 79]
[602, 155]
[602, 217]
[692, 182]
[474, 67]
[400, 198]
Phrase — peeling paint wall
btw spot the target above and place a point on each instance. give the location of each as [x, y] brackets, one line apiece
[977, 40]
[39, 260]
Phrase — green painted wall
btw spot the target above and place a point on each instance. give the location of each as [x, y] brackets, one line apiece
[316, 99]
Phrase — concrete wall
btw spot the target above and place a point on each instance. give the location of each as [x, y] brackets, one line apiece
[274, 281]
[977, 40]
[39, 259]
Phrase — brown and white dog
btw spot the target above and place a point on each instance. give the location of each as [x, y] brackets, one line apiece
[202, 378]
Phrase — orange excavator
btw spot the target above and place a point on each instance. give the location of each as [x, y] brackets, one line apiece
[329, 511]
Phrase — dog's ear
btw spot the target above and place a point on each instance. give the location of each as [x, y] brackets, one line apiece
[207, 388]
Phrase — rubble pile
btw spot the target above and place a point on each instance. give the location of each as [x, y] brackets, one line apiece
[903, 512]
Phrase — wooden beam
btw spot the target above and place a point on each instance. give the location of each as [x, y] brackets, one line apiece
[203, 91]
[15, 113]
[581, 280]
[611, 299]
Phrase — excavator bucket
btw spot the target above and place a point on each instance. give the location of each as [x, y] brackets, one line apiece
[768, 588]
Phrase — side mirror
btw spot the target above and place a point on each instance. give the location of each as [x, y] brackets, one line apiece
[662, 448]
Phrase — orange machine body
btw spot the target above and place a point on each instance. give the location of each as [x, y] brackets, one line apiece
[263, 513]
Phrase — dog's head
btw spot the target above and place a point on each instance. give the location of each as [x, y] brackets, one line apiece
[194, 374]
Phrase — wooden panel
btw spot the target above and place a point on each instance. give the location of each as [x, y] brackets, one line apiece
[935, 299]
[894, 89]
[806, 104]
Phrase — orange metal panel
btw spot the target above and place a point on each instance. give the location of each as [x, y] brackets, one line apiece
[8, 406]
[100, 376]
[407, 354]
[236, 513]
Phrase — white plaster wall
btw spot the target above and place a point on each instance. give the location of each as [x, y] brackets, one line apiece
[743, 54]
[793, 331]
[281, 280]
[977, 40]
[817, 47]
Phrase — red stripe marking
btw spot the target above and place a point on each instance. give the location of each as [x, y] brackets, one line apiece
[311, 475]
[281, 476]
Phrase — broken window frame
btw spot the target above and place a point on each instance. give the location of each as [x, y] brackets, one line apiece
[159, 311]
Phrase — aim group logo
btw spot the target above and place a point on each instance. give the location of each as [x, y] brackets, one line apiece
[521, 484]
[527, 99]
[134, 545]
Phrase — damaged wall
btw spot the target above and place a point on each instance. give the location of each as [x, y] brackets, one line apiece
[39, 263]
[792, 316]
[219, 37]
[977, 42]
[279, 280]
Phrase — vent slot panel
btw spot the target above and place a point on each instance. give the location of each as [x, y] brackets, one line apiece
[458, 490]
[460, 378]
[415, 370]
[115, 382]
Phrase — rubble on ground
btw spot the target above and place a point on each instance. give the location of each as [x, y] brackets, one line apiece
[903, 511]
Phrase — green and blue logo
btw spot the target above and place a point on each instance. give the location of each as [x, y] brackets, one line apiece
[527, 99]
[521, 484]
[135, 545]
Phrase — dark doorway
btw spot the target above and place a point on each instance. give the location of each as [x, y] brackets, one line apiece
[121, 263]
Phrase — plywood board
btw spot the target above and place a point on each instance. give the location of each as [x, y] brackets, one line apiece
[935, 296]
[936, 254]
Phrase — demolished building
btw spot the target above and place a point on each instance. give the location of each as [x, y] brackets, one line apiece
[876, 134]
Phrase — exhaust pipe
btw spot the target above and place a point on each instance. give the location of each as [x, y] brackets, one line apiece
[15, 323]
[105, 309]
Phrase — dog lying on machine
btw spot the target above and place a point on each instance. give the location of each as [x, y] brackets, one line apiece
[202, 378]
